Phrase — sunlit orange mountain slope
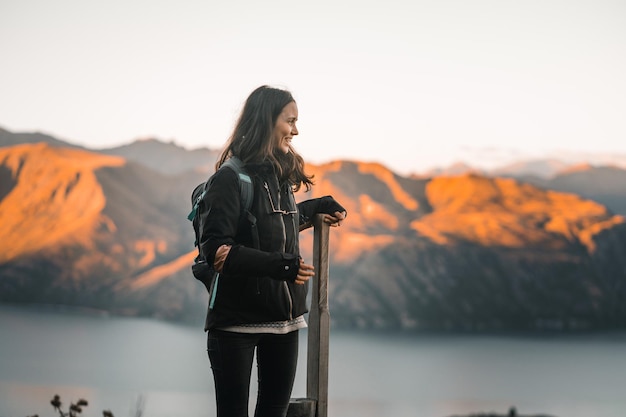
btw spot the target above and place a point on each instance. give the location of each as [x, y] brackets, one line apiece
[451, 252]
[79, 227]
[50, 197]
[449, 210]
[506, 213]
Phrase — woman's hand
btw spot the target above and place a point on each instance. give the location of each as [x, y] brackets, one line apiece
[335, 219]
[305, 272]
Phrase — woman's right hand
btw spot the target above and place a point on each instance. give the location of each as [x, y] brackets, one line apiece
[335, 219]
[305, 272]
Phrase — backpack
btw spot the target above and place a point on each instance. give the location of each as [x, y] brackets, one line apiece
[200, 269]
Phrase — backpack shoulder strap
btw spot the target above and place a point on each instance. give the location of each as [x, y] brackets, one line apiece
[196, 196]
[245, 188]
[247, 193]
[245, 182]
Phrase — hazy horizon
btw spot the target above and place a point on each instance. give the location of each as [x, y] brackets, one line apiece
[567, 157]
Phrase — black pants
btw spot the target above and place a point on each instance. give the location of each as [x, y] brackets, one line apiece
[231, 355]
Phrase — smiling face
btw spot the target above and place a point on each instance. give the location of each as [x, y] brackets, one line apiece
[285, 128]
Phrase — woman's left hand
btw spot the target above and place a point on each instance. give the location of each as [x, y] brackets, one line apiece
[305, 272]
[335, 219]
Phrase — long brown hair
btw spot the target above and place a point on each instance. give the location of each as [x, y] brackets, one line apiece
[252, 141]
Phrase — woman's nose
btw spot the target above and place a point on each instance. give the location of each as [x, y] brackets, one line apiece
[294, 130]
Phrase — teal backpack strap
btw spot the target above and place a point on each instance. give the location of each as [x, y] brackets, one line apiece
[247, 193]
[245, 188]
[197, 196]
[245, 182]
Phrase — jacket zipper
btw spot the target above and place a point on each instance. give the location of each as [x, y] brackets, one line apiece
[282, 224]
[282, 221]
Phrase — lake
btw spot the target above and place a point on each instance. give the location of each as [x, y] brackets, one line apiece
[116, 362]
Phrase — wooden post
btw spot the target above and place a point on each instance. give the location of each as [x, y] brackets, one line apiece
[319, 321]
[316, 403]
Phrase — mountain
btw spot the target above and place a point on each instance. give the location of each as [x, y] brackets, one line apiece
[542, 168]
[466, 252]
[166, 158]
[471, 252]
[604, 184]
[8, 138]
[454, 169]
[88, 229]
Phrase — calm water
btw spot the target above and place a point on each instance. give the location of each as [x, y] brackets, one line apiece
[113, 362]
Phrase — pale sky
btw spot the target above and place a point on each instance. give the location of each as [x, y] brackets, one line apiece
[412, 84]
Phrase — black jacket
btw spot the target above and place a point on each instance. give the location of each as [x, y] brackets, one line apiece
[257, 281]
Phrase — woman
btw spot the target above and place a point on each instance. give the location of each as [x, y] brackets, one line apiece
[260, 298]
